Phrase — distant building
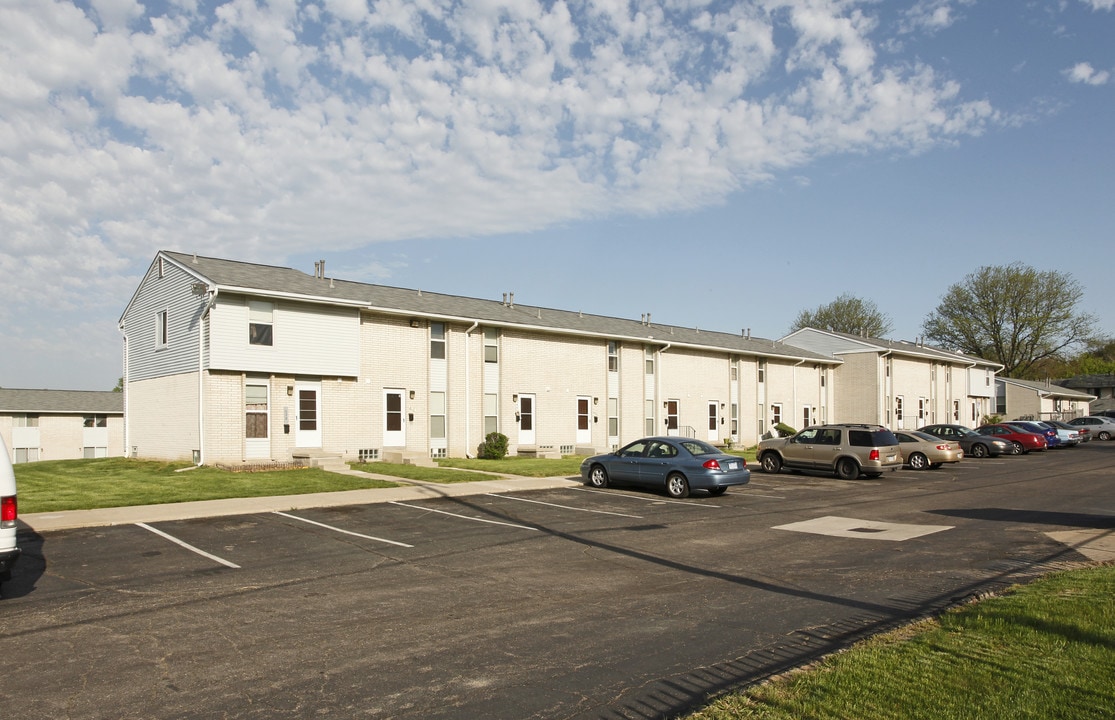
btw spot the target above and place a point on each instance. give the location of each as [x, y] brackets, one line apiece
[1102, 387]
[1033, 400]
[61, 424]
[902, 385]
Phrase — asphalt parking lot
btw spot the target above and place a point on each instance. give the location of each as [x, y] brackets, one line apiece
[561, 603]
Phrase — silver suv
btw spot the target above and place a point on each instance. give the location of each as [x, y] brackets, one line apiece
[844, 449]
[9, 551]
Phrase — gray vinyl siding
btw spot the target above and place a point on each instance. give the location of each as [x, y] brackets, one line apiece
[171, 293]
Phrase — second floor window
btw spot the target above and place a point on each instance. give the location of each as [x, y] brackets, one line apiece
[162, 328]
[491, 345]
[260, 322]
[437, 341]
[613, 357]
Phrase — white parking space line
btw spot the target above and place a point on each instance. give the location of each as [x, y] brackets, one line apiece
[189, 547]
[564, 507]
[340, 530]
[660, 500]
[463, 517]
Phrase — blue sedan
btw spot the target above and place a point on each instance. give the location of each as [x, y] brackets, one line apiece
[675, 463]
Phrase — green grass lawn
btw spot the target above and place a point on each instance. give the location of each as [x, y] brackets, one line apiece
[54, 485]
[1044, 651]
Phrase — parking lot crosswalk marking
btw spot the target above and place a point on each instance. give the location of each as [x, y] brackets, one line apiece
[189, 547]
[340, 530]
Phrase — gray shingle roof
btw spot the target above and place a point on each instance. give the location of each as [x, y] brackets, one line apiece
[61, 402]
[235, 276]
[1049, 388]
[904, 347]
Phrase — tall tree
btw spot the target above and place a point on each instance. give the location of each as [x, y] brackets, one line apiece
[846, 314]
[1012, 314]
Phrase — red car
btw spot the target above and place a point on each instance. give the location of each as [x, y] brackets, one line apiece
[1023, 442]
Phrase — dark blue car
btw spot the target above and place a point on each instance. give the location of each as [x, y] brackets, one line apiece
[674, 463]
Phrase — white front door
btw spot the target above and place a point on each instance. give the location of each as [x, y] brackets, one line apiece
[394, 420]
[584, 420]
[672, 425]
[713, 421]
[525, 417]
[307, 417]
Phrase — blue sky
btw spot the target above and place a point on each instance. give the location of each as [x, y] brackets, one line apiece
[722, 165]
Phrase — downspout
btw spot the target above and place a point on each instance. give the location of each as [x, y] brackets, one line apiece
[200, 376]
[124, 389]
[468, 390]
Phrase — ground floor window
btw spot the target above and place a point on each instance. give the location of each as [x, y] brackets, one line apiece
[437, 416]
[255, 411]
[491, 413]
[89, 453]
[22, 455]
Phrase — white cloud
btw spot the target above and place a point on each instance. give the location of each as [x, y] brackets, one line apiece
[270, 126]
[931, 16]
[1100, 4]
[1084, 73]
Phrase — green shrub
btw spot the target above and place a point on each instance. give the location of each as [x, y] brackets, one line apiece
[494, 447]
[785, 430]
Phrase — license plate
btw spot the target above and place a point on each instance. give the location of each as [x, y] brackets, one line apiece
[733, 466]
[891, 458]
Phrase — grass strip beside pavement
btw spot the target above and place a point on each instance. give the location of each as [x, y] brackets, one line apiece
[567, 466]
[1044, 650]
[57, 485]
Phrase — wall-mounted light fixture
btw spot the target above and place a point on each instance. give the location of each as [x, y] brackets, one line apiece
[411, 394]
[665, 403]
[415, 322]
[515, 398]
[596, 401]
[289, 389]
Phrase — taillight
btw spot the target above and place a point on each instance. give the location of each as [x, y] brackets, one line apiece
[711, 464]
[874, 455]
[942, 447]
[8, 511]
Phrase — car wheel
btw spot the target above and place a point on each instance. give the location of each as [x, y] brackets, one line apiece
[771, 463]
[847, 469]
[979, 450]
[717, 491]
[677, 486]
[598, 477]
[1104, 435]
[1017, 448]
[919, 462]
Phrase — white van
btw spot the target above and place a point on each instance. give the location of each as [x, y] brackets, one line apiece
[9, 512]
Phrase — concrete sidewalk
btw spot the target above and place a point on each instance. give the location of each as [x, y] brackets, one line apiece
[413, 490]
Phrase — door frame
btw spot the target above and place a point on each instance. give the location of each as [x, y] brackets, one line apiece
[394, 438]
[307, 437]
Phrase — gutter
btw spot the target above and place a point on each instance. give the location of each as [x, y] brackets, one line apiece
[468, 390]
[201, 373]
